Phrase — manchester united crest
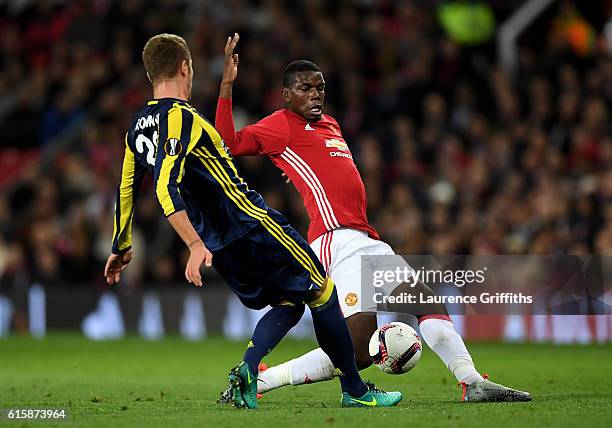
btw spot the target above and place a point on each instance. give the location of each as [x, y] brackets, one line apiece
[351, 299]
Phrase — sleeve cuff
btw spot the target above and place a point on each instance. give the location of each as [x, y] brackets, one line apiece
[117, 251]
[176, 209]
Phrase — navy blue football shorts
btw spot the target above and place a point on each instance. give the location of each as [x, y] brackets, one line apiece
[270, 265]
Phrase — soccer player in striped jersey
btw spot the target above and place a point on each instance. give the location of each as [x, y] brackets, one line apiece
[308, 147]
[227, 225]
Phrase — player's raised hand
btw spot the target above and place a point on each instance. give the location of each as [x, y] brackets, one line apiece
[230, 63]
[286, 177]
[116, 264]
[199, 254]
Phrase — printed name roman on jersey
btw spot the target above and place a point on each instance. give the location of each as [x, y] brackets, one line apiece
[145, 122]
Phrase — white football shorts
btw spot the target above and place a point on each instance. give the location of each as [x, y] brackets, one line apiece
[340, 252]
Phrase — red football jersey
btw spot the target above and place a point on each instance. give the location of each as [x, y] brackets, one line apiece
[316, 159]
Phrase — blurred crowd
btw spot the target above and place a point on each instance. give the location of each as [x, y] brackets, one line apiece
[457, 156]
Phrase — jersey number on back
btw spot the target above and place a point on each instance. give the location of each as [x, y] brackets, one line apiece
[151, 147]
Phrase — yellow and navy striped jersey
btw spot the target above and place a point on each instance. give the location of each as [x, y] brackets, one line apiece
[192, 171]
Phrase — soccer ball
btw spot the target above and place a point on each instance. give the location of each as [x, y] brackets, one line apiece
[395, 348]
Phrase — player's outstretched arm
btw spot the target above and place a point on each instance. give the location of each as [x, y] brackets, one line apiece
[230, 67]
[224, 119]
[199, 253]
[266, 137]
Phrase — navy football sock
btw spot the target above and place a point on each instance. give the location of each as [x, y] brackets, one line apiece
[334, 338]
[270, 329]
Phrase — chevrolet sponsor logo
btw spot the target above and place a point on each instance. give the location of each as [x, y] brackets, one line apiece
[340, 154]
[337, 144]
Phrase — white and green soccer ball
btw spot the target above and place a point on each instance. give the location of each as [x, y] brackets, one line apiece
[395, 348]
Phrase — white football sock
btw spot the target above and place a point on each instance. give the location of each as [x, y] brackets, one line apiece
[441, 337]
[315, 366]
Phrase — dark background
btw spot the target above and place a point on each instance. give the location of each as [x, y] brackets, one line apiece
[457, 155]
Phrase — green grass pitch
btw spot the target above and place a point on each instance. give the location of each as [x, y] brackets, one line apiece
[174, 383]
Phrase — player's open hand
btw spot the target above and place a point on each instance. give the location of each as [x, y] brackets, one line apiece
[199, 254]
[230, 63]
[116, 264]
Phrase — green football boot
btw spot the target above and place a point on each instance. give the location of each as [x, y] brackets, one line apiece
[486, 391]
[243, 385]
[373, 397]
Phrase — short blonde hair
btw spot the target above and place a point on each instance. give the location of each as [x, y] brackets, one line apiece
[163, 54]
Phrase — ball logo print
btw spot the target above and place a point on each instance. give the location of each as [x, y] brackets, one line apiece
[395, 348]
[173, 147]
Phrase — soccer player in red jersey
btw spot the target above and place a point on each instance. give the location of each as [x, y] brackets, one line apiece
[309, 148]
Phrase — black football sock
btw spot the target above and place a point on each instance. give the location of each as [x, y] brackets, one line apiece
[270, 329]
[334, 338]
